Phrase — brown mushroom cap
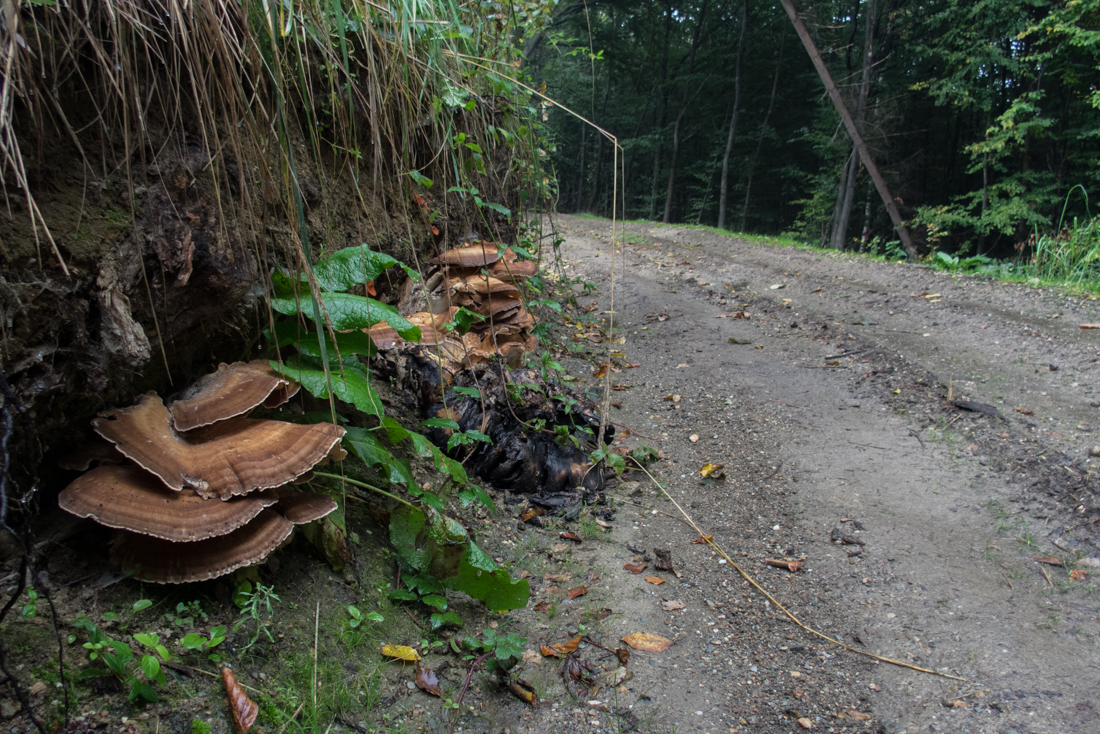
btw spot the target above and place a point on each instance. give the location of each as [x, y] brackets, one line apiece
[130, 498]
[165, 562]
[93, 452]
[468, 257]
[233, 390]
[484, 284]
[230, 458]
[496, 304]
[302, 507]
[512, 272]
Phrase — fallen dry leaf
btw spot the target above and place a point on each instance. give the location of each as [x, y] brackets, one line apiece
[532, 656]
[401, 652]
[623, 654]
[1090, 326]
[577, 591]
[791, 566]
[632, 365]
[707, 469]
[857, 715]
[426, 680]
[532, 513]
[548, 652]
[621, 387]
[742, 315]
[524, 575]
[558, 549]
[525, 691]
[635, 567]
[654, 580]
[570, 646]
[805, 723]
[570, 535]
[244, 708]
[1079, 575]
[558, 578]
[1025, 411]
[1049, 560]
[542, 606]
[601, 371]
[672, 606]
[602, 524]
[702, 540]
[647, 642]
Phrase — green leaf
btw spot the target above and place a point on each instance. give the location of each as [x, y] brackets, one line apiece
[494, 587]
[368, 448]
[436, 601]
[352, 387]
[142, 604]
[350, 267]
[464, 319]
[193, 641]
[475, 493]
[352, 312]
[150, 666]
[374, 617]
[441, 423]
[439, 620]
[403, 595]
[498, 208]
[353, 342]
[149, 640]
[428, 540]
[423, 584]
[510, 646]
[139, 691]
[470, 392]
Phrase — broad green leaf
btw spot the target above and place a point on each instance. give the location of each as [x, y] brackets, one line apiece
[368, 448]
[149, 640]
[423, 583]
[439, 620]
[428, 540]
[150, 666]
[193, 641]
[403, 595]
[441, 423]
[374, 617]
[142, 604]
[499, 592]
[352, 387]
[436, 601]
[475, 493]
[352, 312]
[395, 432]
[350, 267]
[289, 333]
[142, 691]
[470, 392]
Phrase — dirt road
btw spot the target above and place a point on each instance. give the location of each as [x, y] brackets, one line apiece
[829, 387]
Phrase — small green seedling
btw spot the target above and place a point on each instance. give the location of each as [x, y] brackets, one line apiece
[197, 643]
[357, 618]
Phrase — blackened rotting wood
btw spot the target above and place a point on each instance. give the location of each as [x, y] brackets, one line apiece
[976, 407]
[540, 434]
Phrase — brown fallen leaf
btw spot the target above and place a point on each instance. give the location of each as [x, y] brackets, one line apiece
[791, 566]
[549, 652]
[654, 580]
[524, 691]
[570, 646]
[1078, 574]
[1090, 326]
[1049, 560]
[542, 606]
[632, 365]
[856, 715]
[702, 540]
[623, 654]
[593, 578]
[577, 591]
[570, 535]
[621, 387]
[647, 642]
[426, 680]
[742, 315]
[530, 656]
[672, 606]
[244, 709]
[1025, 411]
[559, 578]
[617, 405]
[531, 513]
[524, 574]
[805, 723]
[635, 567]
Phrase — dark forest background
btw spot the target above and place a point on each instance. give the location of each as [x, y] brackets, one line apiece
[982, 116]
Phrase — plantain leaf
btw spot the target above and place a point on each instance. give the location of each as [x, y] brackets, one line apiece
[368, 448]
[351, 312]
[352, 387]
[308, 343]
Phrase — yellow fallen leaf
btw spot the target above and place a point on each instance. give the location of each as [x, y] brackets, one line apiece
[708, 469]
[655, 580]
[401, 652]
[647, 642]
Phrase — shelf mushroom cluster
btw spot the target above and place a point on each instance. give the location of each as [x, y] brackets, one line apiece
[485, 281]
[195, 489]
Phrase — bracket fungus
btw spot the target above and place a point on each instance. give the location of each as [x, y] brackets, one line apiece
[206, 490]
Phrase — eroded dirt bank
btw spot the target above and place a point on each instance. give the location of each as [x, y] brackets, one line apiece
[831, 404]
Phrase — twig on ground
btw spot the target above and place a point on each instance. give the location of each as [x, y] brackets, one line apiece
[636, 433]
[868, 446]
[462, 693]
[710, 541]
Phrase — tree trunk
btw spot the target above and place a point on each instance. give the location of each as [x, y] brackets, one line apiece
[733, 120]
[840, 231]
[579, 195]
[763, 131]
[662, 86]
[866, 236]
[672, 166]
[865, 154]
